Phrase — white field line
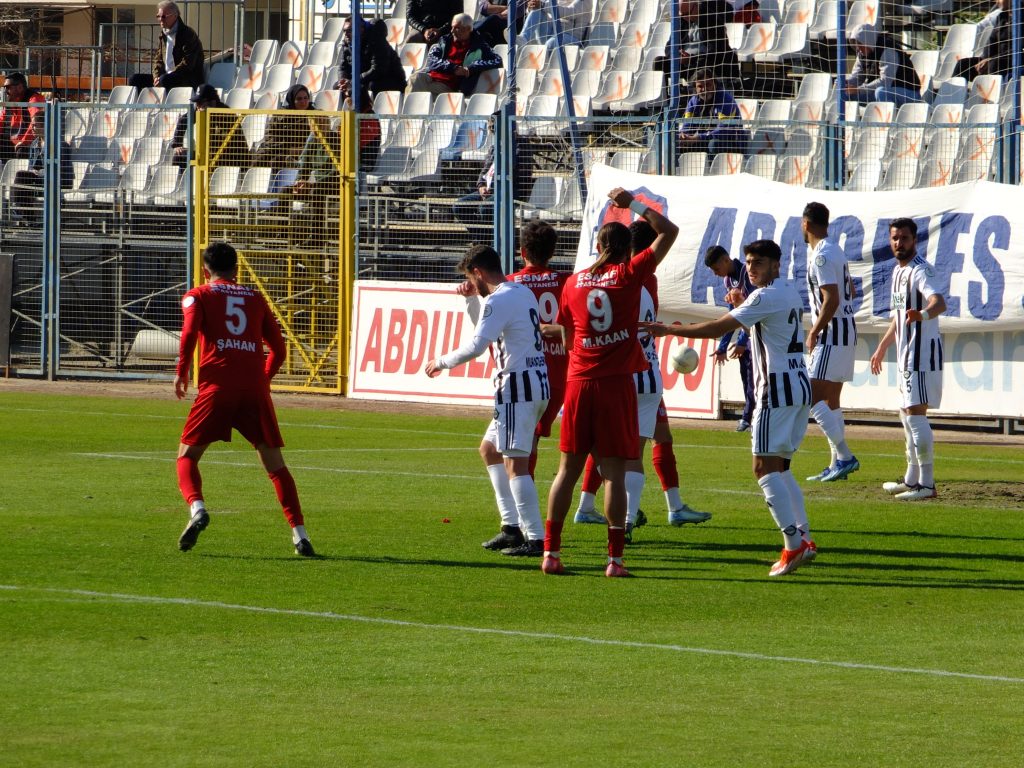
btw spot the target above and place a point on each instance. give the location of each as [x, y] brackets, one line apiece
[331, 616]
[743, 447]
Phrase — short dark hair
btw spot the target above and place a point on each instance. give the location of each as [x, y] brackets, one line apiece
[816, 214]
[614, 241]
[641, 235]
[537, 238]
[703, 74]
[904, 223]
[220, 258]
[767, 248]
[713, 254]
[17, 78]
[481, 257]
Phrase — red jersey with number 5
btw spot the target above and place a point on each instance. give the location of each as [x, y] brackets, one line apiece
[231, 322]
[547, 285]
[599, 312]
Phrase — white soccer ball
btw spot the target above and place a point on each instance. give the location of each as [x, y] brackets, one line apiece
[685, 360]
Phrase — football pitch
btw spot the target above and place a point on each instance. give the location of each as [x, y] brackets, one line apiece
[407, 644]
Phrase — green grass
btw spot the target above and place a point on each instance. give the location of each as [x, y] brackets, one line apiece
[90, 676]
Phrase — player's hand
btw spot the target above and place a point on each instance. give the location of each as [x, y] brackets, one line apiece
[620, 197]
[180, 386]
[551, 331]
[655, 328]
[737, 351]
[466, 289]
[432, 369]
[431, 35]
[914, 316]
[734, 297]
[810, 342]
[876, 362]
[719, 357]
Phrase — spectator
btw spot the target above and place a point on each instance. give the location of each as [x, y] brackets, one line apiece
[27, 185]
[430, 19]
[706, 43]
[994, 57]
[883, 71]
[573, 16]
[746, 12]
[19, 126]
[178, 60]
[226, 140]
[285, 137]
[493, 20]
[456, 60]
[318, 180]
[711, 122]
[476, 210]
[380, 67]
[369, 129]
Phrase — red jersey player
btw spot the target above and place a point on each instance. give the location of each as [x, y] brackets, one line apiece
[231, 323]
[599, 314]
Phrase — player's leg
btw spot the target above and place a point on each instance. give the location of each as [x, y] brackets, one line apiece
[516, 428]
[663, 458]
[287, 495]
[510, 535]
[559, 498]
[923, 390]
[616, 443]
[798, 428]
[647, 420]
[586, 511]
[747, 379]
[190, 483]
[831, 366]
[551, 412]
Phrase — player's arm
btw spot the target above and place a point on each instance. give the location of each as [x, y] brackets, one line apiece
[936, 306]
[275, 343]
[485, 334]
[709, 329]
[187, 345]
[883, 345]
[552, 331]
[667, 231]
[829, 305]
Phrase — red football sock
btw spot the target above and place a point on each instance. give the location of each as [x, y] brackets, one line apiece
[288, 495]
[533, 463]
[664, 460]
[591, 477]
[190, 482]
[616, 541]
[552, 536]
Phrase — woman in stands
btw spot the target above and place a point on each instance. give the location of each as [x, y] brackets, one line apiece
[286, 134]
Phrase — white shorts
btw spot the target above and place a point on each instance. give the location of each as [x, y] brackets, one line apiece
[513, 426]
[921, 388]
[778, 431]
[647, 408]
[832, 363]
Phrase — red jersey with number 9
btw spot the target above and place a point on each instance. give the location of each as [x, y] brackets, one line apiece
[231, 322]
[599, 312]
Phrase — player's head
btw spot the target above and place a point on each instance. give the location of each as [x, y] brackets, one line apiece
[764, 259]
[537, 241]
[641, 235]
[903, 238]
[815, 221]
[480, 265]
[221, 260]
[716, 258]
[613, 244]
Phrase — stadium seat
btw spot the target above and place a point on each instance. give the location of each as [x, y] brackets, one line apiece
[615, 86]
[603, 33]
[267, 100]
[613, 11]
[322, 54]
[569, 205]
[292, 53]
[277, 80]
[312, 76]
[223, 74]
[985, 89]
[862, 12]
[934, 170]
[643, 12]
[900, 174]
[594, 58]
[150, 96]
[826, 21]
[551, 84]
[98, 178]
[626, 160]
[543, 195]
[133, 181]
[978, 134]
[263, 53]
[657, 42]
[491, 81]
[90, 149]
[814, 87]
[396, 31]
[762, 166]
[121, 94]
[691, 164]
[254, 128]
[798, 12]
[526, 83]
[634, 37]
[482, 104]
[223, 186]
[734, 33]
[238, 98]
[447, 105]
[249, 76]
[413, 55]
[925, 64]
[470, 142]
[794, 170]
[759, 38]
[75, 123]
[627, 57]
[10, 170]
[726, 164]
[532, 57]
[538, 108]
[647, 92]
[149, 150]
[865, 176]
[327, 101]
[790, 43]
[972, 170]
[748, 110]
[951, 91]
[331, 32]
[255, 183]
[912, 114]
[179, 96]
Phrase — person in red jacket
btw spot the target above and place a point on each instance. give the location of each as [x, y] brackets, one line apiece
[20, 125]
[231, 323]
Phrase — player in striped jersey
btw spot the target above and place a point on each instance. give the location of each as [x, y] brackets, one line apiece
[916, 306]
[832, 338]
[510, 320]
[772, 313]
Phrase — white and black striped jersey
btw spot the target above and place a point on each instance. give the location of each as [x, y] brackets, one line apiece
[773, 314]
[918, 345]
[648, 382]
[827, 265]
[510, 320]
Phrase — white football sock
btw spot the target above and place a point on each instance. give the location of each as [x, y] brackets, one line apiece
[777, 495]
[673, 499]
[524, 491]
[196, 507]
[924, 448]
[822, 415]
[913, 473]
[588, 503]
[839, 435]
[503, 494]
[796, 497]
[634, 490]
[298, 534]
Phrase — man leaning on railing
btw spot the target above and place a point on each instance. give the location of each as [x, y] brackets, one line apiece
[178, 60]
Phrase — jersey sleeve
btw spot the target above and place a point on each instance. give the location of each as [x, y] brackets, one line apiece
[923, 278]
[192, 308]
[487, 331]
[826, 271]
[755, 308]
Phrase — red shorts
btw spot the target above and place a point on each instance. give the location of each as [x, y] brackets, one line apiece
[551, 413]
[662, 417]
[599, 416]
[216, 411]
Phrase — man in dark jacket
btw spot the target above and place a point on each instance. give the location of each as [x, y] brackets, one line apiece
[380, 67]
[455, 61]
[706, 43]
[430, 19]
[178, 60]
[883, 71]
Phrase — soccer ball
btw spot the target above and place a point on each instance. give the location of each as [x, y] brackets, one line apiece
[685, 360]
